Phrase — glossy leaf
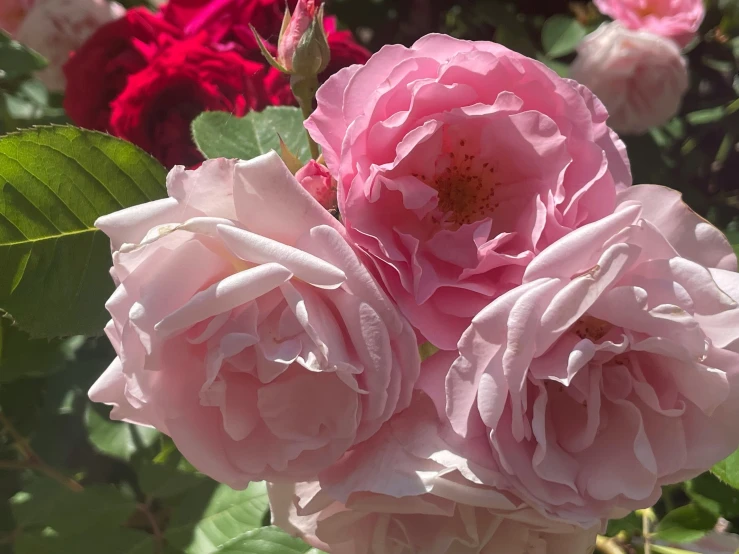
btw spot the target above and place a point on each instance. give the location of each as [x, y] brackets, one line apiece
[685, 524]
[116, 438]
[221, 135]
[54, 183]
[17, 60]
[713, 495]
[728, 470]
[21, 356]
[267, 540]
[213, 516]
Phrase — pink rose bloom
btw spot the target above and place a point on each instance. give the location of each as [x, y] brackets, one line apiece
[316, 179]
[640, 77]
[12, 14]
[457, 162]
[612, 370]
[246, 327]
[401, 503]
[678, 20]
[55, 28]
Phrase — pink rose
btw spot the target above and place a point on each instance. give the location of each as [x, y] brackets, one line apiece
[640, 77]
[246, 327]
[456, 163]
[405, 504]
[55, 28]
[12, 14]
[316, 179]
[612, 370]
[378, 524]
[678, 20]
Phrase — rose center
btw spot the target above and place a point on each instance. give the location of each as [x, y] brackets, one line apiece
[466, 188]
[592, 328]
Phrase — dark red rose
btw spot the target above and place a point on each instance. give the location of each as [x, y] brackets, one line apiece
[187, 78]
[97, 73]
[227, 21]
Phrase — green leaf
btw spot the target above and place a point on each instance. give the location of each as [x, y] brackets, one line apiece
[95, 541]
[17, 60]
[54, 519]
[115, 438]
[727, 470]
[21, 356]
[54, 183]
[713, 495]
[631, 524]
[686, 524]
[221, 135]
[46, 503]
[162, 481]
[267, 540]
[733, 237]
[207, 519]
[562, 69]
[561, 35]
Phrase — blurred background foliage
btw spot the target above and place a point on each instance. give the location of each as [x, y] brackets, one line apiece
[74, 482]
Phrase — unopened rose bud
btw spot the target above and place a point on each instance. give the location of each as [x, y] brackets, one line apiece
[293, 30]
[316, 179]
[303, 47]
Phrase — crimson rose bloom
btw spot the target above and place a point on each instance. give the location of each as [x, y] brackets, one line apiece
[227, 23]
[159, 103]
[145, 77]
[97, 73]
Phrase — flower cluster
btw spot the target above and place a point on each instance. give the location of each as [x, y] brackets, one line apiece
[586, 330]
[634, 64]
[146, 76]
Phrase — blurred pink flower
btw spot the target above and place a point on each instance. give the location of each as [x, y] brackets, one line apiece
[613, 370]
[678, 20]
[641, 78]
[12, 14]
[56, 28]
[457, 162]
[247, 328]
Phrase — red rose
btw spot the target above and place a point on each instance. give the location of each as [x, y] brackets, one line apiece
[97, 73]
[227, 23]
[159, 103]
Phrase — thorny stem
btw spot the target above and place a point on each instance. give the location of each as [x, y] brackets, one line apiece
[645, 521]
[304, 89]
[608, 546]
[155, 530]
[31, 460]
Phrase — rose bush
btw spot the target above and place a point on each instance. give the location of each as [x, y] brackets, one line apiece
[674, 19]
[640, 77]
[612, 370]
[457, 162]
[247, 328]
